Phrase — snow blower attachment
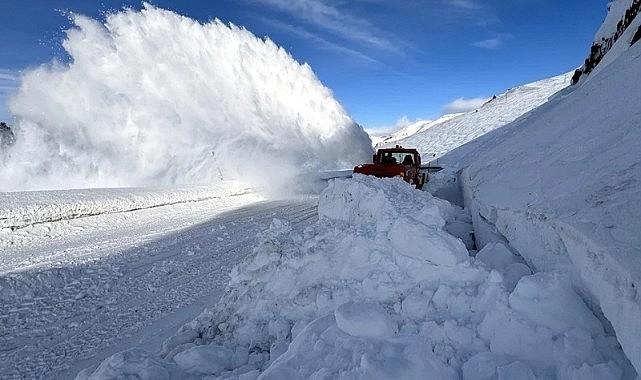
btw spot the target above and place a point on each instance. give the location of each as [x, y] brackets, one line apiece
[397, 161]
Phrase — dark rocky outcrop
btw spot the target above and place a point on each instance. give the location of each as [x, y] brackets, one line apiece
[637, 37]
[600, 48]
[7, 137]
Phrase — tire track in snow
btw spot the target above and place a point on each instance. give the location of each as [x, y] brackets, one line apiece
[62, 318]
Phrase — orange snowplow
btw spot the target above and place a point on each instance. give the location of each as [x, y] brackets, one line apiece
[397, 161]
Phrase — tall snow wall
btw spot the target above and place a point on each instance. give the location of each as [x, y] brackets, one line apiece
[562, 185]
[154, 98]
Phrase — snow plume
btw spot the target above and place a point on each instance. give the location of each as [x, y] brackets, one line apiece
[155, 98]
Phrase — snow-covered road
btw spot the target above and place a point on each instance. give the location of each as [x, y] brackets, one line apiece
[74, 292]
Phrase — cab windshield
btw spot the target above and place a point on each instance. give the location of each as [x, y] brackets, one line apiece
[397, 158]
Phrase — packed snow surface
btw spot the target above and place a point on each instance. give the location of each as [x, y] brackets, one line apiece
[153, 98]
[563, 185]
[74, 292]
[350, 297]
[452, 131]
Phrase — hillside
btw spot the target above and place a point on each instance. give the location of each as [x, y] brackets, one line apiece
[412, 129]
[450, 132]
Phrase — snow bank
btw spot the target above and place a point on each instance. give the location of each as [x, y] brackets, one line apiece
[452, 131]
[346, 299]
[153, 98]
[20, 209]
[561, 184]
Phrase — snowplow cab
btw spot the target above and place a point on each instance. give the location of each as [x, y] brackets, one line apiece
[393, 162]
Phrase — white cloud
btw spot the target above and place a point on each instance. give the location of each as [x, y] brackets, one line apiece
[465, 4]
[403, 122]
[463, 105]
[494, 42]
[490, 43]
[386, 130]
[9, 81]
[335, 20]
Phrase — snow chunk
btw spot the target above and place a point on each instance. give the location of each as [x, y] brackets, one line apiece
[482, 366]
[549, 300]
[415, 306]
[322, 350]
[207, 359]
[364, 319]
[426, 243]
[496, 256]
[513, 273]
[593, 372]
[377, 202]
[516, 370]
[135, 363]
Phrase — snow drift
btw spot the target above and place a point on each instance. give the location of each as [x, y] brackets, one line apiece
[154, 98]
[379, 289]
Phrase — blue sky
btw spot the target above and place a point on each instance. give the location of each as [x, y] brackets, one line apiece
[384, 59]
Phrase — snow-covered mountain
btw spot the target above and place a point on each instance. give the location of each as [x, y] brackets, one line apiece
[562, 185]
[412, 129]
[451, 131]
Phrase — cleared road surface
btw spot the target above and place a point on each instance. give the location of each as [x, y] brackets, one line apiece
[74, 292]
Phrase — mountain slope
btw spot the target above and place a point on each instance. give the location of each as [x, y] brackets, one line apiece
[412, 129]
[450, 132]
